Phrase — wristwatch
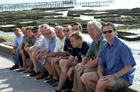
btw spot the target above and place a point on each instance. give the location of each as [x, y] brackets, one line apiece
[116, 75]
[60, 57]
[71, 69]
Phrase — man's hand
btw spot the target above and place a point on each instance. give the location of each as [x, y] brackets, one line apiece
[80, 69]
[14, 51]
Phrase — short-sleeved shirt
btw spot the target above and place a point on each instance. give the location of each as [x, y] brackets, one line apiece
[60, 45]
[18, 40]
[52, 44]
[95, 49]
[81, 52]
[31, 40]
[67, 46]
[117, 57]
[38, 41]
[44, 43]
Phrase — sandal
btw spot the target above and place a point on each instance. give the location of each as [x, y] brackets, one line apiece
[57, 91]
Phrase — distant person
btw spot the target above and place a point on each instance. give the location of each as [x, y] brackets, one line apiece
[116, 66]
[18, 40]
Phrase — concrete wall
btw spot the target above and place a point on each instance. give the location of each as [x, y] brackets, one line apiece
[6, 49]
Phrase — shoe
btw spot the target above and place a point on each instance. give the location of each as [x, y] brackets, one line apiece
[53, 81]
[48, 81]
[34, 74]
[14, 67]
[41, 75]
[48, 77]
[20, 70]
[27, 71]
[69, 87]
[55, 84]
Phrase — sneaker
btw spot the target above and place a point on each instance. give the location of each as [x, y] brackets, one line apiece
[14, 67]
[55, 84]
[41, 75]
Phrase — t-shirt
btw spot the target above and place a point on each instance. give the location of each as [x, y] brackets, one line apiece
[81, 52]
[67, 46]
[117, 57]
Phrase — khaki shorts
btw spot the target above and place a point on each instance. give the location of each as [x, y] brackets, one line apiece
[121, 82]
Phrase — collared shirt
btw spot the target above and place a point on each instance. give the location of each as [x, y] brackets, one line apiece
[38, 41]
[52, 44]
[94, 49]
[18, 40]
[60, 45]
[117, 57]
[44, 43]
[81, 52]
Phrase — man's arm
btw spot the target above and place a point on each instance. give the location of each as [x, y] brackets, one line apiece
[123, 71]
[100, 71]
[92, 63]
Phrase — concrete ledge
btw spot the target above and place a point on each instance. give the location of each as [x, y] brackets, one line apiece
[6, 49]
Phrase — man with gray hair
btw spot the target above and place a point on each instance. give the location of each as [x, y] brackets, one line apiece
[90, 61]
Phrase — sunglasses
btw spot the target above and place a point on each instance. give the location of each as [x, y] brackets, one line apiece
[34, 31]
[109, 31]
[66, 30]
[48, 33]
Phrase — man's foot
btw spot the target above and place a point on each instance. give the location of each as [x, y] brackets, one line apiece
[14, 67]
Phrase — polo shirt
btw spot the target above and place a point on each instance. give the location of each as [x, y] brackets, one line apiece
[95, 49]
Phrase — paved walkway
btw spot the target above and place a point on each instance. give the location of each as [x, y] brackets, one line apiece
[12, 81]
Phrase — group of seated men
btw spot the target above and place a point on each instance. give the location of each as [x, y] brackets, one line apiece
[68, 60]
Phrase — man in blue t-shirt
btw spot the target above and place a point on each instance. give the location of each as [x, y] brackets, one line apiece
[79, 50]
[18, 40]
[116, 66]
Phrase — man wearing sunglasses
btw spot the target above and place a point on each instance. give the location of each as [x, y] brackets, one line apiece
[54, 56]
[47, 55]
[116, 67]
